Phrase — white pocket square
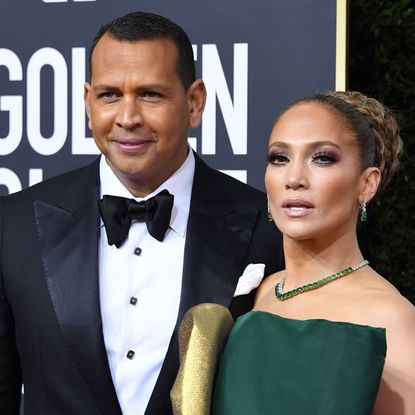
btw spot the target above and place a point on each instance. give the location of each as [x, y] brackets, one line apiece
[250, 279]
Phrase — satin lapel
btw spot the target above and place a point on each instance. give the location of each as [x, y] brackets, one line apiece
[68, 236]
[214, 256]
[217, 240]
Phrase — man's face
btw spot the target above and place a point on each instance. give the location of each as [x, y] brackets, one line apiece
[139, 111]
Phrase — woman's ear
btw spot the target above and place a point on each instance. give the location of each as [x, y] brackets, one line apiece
[196, 96]
[370, 180]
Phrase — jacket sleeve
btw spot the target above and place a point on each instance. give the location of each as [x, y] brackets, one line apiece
[10, 372]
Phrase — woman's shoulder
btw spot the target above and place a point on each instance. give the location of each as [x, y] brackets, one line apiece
[396, 314]
[385, 305]
[395, 310]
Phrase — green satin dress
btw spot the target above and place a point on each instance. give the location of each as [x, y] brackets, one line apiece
[282, 366]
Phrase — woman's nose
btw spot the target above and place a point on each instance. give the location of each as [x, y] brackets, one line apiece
[296, 176]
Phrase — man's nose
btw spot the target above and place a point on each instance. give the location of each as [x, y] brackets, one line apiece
[129, 113]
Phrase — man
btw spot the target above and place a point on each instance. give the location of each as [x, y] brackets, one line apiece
[89, 313]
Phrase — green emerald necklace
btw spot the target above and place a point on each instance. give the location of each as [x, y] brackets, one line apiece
[282, 295]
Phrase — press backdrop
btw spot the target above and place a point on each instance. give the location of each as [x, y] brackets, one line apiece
[254, 57]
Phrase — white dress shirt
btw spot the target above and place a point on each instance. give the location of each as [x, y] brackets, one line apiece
[139, 287]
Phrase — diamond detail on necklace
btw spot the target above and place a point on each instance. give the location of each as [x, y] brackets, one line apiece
[282, 295]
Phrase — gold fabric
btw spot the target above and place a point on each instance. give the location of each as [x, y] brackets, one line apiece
[202, 335]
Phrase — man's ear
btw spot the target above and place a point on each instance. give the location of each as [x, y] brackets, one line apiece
[87, 91]
[196, 97]
[370, 180]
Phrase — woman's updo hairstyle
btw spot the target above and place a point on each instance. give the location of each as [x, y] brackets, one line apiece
[374, 126]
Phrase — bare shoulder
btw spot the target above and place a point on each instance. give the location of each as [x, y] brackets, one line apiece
[389, 308]
[397, 315]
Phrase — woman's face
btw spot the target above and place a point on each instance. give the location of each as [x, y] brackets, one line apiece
[313, 179]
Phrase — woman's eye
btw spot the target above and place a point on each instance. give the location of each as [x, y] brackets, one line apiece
[324, 158]
[277, 158]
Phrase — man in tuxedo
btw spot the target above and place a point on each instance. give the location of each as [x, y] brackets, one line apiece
[99, 265]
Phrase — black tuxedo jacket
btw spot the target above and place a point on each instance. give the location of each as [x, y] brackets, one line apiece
[50, 323]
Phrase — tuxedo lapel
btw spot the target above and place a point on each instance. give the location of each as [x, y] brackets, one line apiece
[217, 240]
[68, 234]
[216, 246]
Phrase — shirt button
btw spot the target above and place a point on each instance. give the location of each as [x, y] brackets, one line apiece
[137, 251]
[133, 301]
[131, 354]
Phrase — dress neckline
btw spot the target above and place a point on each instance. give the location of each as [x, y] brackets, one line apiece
[316, 320]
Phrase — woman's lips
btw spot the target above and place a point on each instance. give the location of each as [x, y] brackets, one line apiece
[297, 208]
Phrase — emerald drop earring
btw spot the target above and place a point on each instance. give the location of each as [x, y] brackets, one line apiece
[363, 214]
[269, 216]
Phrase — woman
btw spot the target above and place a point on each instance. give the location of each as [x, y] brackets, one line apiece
[328, 335]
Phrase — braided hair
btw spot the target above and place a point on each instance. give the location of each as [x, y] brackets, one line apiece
[373, 125]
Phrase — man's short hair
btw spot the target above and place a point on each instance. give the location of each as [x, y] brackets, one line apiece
[140, 25]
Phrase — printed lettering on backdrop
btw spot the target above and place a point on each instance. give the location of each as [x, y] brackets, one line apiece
[253, 58]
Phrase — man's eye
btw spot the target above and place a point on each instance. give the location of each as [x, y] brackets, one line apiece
[151, 95]
[277, 158]
[107, 95]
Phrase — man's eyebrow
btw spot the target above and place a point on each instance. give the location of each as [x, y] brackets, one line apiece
[103, 87]
[144, 87]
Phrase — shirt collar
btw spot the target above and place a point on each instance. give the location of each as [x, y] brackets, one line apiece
[179, 184]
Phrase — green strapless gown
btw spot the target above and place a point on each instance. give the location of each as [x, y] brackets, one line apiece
[281, 366]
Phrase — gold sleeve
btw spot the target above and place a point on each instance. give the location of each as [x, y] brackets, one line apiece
[202, 336]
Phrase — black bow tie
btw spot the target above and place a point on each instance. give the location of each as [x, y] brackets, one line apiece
[118, 212]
